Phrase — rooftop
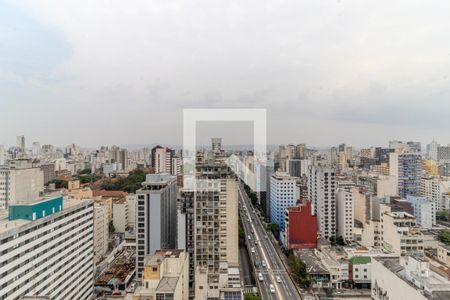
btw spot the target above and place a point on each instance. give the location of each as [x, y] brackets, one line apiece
[430, 284]
[7, 225]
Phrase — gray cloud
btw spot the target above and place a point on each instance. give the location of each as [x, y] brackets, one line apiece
[326, 71]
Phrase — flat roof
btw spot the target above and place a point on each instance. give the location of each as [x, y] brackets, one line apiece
[6, 225]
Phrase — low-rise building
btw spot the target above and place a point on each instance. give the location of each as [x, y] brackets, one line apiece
[165, 276]
[407, 278]
[443, 254]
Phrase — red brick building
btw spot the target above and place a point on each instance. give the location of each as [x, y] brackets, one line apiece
[301, 227]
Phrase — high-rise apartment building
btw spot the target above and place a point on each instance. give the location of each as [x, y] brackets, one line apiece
[443, 154]
[322, 193]
[216, 258]
[297, 167]
[101, 231]
[20, 183]
[162, 159]
[156, 217]
[345, 202]
[434, 188]
[20, 143]
[47, 249]
[284, 193]
[407, 167]
[216, 144]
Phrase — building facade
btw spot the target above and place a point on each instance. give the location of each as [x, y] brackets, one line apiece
[156, 219]
[46, 249]
[284, 193]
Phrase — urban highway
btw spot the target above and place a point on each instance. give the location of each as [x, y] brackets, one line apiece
[276, 282]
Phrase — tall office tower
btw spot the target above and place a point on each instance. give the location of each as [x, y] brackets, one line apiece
[216, 258]
[20, 143]
[284, 193]
[20, 183]
[156, 223]
[47, 249]
[322, 193]
[341, 148]
[345, 202]
[443, 155]
[297, 167]
[162, 159]
[2, 155]
[101, 231]
[300, 151]
[123, 159]
[333, 157]
[432, 150]
[36, 149]
[176, 166]
[407, 167]
[216, 144]
[264, 194]
[382, 154]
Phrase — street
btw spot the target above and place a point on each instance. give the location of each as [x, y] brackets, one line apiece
[264, 256]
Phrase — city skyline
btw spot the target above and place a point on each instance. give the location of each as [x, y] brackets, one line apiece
[323, 71]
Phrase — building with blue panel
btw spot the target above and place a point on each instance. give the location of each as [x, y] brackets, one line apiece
[36, 210]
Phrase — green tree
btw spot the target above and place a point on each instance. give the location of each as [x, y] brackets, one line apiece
[85, 172]
[443, 215]
[252, 297]
[444, 236]
[298, 270]
[59, 183]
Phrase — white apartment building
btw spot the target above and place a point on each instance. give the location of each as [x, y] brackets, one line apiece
[399, 233]
[120, 215]
[434, 189]
[156, 219]
[131, 201]
[322, 193]
[284, 193]
[47, 249]
[20, 183]
[424, 211]
[345, 202]
[101, 231]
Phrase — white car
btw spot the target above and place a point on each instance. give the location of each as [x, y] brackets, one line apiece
[253, 249]
[278, 279]
[264, 264]
[260, 277]
[272, 289]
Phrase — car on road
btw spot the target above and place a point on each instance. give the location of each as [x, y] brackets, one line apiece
[260, 277]
[264, 264]
[272, 288]
[253, 249]
[278, 279]
[249, 237]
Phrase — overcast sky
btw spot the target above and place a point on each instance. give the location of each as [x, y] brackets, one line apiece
[121, 72]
